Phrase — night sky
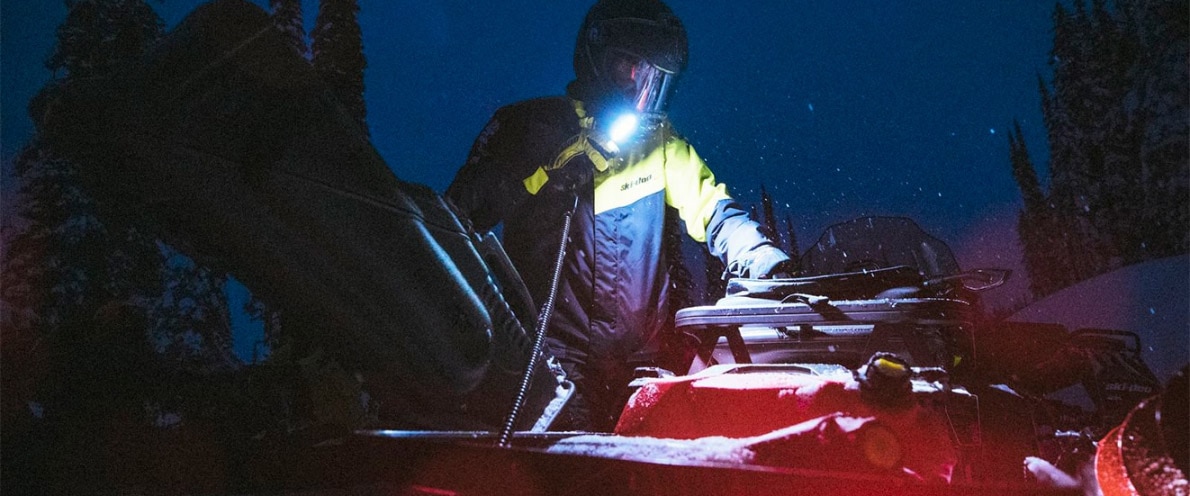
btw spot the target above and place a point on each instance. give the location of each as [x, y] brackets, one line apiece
[840, 108]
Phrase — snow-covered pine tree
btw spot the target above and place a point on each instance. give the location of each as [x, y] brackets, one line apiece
[338, 55]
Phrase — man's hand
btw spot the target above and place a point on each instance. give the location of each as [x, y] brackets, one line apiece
[783, 270]
[763, 262]
[772, 264]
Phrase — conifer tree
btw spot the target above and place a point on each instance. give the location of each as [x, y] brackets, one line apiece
[680, 280]
[1117, 129]
[338, 55]
[67, 261]
[73, 256]
[78, 280]
[1037, 226]
[768, 220]
[191, 319]
[1023, 171]
[98, 34]
[302, 362]
[675, 349]
[1161, 91]
[1071, 113]
[791, 243]
[287, 18]
[716, 287]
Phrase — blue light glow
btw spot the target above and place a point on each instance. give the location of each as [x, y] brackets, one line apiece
[623, 127]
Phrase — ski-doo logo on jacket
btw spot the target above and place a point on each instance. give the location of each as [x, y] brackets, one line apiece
[636, 182]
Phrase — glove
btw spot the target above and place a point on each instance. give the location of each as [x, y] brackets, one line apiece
[768, 263]
[786, 269]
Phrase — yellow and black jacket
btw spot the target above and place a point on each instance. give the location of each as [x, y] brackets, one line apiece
[525, 170]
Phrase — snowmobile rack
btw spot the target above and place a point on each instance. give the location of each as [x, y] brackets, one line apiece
[824, 331]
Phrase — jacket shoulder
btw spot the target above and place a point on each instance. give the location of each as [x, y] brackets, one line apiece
[526, 134]
[537, 110]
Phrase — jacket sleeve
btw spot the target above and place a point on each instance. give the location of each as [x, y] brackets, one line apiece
[713, 217]
[486, 188]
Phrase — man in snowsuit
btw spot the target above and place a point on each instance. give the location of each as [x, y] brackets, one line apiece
[538, 159]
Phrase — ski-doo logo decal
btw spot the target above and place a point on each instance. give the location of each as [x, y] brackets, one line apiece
[636, 182]
[630, 184]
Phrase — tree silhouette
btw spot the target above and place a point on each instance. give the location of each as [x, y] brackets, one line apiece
[287, 18]
[675, 349]
[716, 286]
[338, 55]
[68, 271]
[1046, 258]
[768, 221]
[99, 34]
[104, 325]
[791, 243]
[786, 239]
[68, 259]
[1115, 115]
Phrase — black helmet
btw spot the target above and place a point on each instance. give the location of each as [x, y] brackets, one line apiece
[629, 54]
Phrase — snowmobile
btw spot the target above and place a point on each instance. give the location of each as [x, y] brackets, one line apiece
[870, 372]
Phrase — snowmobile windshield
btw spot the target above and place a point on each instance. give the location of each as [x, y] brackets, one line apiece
[870, 243]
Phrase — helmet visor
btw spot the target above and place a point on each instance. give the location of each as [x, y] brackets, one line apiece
[645, 86]
[662, 44]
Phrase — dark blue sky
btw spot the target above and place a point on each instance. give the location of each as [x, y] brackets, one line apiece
[840, 108]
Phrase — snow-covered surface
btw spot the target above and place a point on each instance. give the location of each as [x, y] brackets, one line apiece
[658, 450]
[1151, 299]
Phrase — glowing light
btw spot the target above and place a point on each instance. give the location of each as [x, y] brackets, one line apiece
[623, 127]
[880, 446]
